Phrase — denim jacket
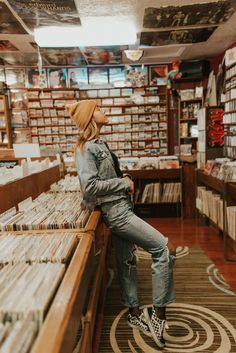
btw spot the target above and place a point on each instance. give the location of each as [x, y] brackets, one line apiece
[98, 180]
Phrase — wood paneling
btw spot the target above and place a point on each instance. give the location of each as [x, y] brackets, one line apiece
[32, 185]
[188, 190]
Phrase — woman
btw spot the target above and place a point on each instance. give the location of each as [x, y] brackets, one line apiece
[104, 186]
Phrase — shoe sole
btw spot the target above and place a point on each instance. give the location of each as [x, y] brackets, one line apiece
[139, 328]
[154, 336]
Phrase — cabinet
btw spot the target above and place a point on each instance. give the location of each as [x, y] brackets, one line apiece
[216, 200]
[229, 119]
[230, 222]
[138, 118]
[5, 130]
[81, 291]
[188, 128]
[165, 184]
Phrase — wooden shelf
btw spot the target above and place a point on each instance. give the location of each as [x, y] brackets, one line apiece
[123, 107]
[191, 119]
[188, 137]
[230, 78]
[156, 174]
[129, 105]
[229, 112]
[231, 190]
[32, 185]
[210, 181]
[192, 100]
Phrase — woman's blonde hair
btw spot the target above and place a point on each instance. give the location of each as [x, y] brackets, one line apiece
[91, 132]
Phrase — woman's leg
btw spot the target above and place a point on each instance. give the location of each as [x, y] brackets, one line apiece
[126, 268]
[124, 224]
[137, 231]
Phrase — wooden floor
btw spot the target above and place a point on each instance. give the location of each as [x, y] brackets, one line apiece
[193, 232]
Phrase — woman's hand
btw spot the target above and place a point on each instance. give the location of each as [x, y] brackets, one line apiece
[131, 184]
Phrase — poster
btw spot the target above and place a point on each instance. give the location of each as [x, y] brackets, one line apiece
[15, 78]
[37, 79]
[20, 59]
[77, 77]
[158, 75]
[57, 78]
[13, 58]
[103, 55]
[6, 45]
[36, 13]
[98, 76]
[8, 23]
[19, 99]
[137, 75]
[117, 76]
[204, 14]
[63, 56]
[183, 36]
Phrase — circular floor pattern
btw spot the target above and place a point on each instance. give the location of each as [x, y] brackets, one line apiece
[192, 328]
[218, 281]
[181, 251]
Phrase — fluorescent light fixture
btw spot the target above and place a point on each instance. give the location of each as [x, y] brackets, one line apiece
[95, 31]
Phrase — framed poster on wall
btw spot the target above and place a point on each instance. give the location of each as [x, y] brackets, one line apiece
[158, 75]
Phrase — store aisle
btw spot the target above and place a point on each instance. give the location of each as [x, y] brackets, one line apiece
[204, 315]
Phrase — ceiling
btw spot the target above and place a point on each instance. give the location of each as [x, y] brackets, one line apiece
[17, 44]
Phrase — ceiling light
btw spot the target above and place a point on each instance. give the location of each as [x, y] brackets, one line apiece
[98, 31]
[134, 55]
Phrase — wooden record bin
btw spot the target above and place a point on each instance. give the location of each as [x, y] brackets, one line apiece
[32, 185]
[81, 292]
[82, 288]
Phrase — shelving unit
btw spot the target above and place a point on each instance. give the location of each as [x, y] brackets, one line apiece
[162, 176]
[188, 129]
[5, 126]
[229, 119]
[134, 130]
[227, 193]
[230, 222]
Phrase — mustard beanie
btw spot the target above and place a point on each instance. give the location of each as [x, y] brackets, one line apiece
[81, 112]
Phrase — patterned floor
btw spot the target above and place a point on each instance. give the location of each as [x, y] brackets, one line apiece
[203, 319]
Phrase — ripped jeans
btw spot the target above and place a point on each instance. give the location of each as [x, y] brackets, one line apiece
[129, 230]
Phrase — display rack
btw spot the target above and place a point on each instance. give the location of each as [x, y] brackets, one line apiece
[227, 194]
[163, 176]
[135, 129]
[5, 129]
[229, 119]
[188, 130]
[230, 222]
[81, 289]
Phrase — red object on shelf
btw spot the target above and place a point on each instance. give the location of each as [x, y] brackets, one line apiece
[215, 127]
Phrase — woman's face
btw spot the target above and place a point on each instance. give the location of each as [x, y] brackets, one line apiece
[100, 117]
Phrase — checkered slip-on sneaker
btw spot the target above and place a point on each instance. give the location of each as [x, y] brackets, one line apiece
[139, 322]
[156, 326]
